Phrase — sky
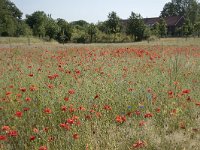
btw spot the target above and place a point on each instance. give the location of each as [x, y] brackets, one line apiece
[91, 11]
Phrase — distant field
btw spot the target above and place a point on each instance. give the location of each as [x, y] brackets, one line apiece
[100, 96]
[165, 41]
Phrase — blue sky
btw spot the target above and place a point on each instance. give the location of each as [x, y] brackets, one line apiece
[91, 10]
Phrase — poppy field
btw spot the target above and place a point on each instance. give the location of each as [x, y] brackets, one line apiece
[100, 97]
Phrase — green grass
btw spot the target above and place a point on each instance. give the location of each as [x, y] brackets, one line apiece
[127, 96]
[23, 40]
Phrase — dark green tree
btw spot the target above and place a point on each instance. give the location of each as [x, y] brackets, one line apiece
[162, 27]
[65, 31]
[23, 29]
[197, 29]
[155, 29]
[147, 33]
[52, 28]
[187, 28]
[10, 15]
[169, 9]
[113, 23]
[92, 30]
[37, 21]
[187, 8]
[102, 27]
[81, 23]
[136, 26]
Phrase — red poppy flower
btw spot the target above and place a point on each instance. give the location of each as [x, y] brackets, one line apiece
[71, 91]
[96, 96]
[137, 112]
[120, 119]
[3, 138]
[157, 110]
[65, 126]
[26, 109]
[107, 107]
[32, 138]
[50, 86]
[35, 130]
[43, 148]
[47, 111]
[28, 99]
[148, 115]
[18, 114]
[8, 93]
[31, 75]
[186, 91]
[70, 121]
[198, 104]
[5, 128]
[66, 98]
[139, 144]
[13, 133]
[23, 89]
[142, 123]
[78, 72]
[32, 88]
[75, 136]
[82, 108]
[63, 108]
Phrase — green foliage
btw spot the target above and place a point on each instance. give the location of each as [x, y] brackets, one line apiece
[92, 30]
[23, 29]
[52, 28]
[102, 27]
[65, 31]
[162, 27]
[81, 23]
[155, 29]
[10, 15]
[147, 33]
[169, 9]
[136, 26]
[113, 24]
[187, 28]
[197, 29]
[37, 21]
[187, 8]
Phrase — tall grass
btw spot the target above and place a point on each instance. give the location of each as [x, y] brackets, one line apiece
[100, 97]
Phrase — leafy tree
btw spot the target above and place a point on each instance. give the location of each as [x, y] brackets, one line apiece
[193, 11]
[37, 21]
[188, 8]
[10, 15]
[92, 30]
[52, 28]
[102, 26]
[162, 27]
[187, 28]
[113, 23]
[197, 29]
[65, 31]
[169, 9]
[155, 30]
[81, 23]
[23, 29]
[136, 26]
[147, 33]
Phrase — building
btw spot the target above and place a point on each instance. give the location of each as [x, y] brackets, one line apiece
[173, 23]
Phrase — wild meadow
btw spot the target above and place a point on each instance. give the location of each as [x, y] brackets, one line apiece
[100, 97]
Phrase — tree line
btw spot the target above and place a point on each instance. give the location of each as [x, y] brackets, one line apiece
[42, 25]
